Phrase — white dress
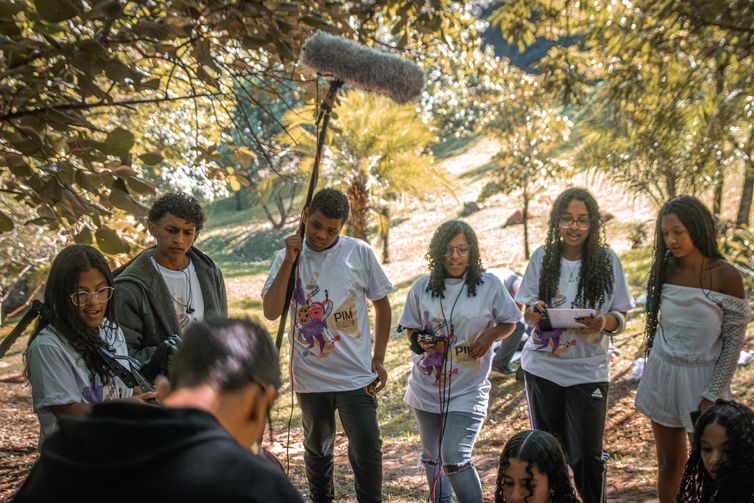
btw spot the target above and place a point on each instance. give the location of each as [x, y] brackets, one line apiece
[694, 355]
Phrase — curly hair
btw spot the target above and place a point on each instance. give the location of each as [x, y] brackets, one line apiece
[181, 205]
[596, 276]
[331, 203]
[436, 258]
[735, 472]
[701, 228]
[62, 315]
[541, 450]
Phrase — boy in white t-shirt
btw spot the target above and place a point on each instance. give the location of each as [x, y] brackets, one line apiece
[333, 364]
[170, 285]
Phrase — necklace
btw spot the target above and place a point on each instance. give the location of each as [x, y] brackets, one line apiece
[572, 271]
[187, 307]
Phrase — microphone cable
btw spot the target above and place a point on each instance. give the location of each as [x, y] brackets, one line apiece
[445, 385]
[292, 341]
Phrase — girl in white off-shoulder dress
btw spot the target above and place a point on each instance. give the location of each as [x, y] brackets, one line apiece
[696, 322]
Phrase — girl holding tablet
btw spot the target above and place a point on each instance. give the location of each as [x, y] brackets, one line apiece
[567, 370]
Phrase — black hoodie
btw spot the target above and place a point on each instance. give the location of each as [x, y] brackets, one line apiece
[129, 452]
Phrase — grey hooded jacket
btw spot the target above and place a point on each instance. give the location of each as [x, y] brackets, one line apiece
[144, 308]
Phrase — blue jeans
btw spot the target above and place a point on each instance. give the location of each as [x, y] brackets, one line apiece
[358, 415]
[460, 432]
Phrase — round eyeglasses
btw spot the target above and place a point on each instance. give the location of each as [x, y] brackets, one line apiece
[581, 222]
[102, 295]
[462, 250]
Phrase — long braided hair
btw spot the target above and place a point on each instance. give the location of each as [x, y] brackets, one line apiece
[541, 450]
[62, 315]
[436, 256]
[701, 228]
[734, 479]
[596, 277]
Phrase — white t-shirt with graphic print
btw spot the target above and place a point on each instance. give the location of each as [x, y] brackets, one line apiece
[59, 375]
[186, 292]
[330, 327]
[572, 356]
[464, 385]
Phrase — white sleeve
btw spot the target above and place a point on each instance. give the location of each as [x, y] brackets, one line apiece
[504, 309]
[411, 317]
[52, 377]
[622, 299]
[528, 293]
[276, 264]
[379, 285]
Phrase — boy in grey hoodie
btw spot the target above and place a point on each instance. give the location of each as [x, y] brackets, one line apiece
[169, 285]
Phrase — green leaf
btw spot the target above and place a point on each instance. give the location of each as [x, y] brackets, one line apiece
[108, 241]
[55, 11]
[106, 10]
[83, 182]
[117, 71]
[6, 224]
[120, 198]
[8, 9]
[9, 27]
[118, 142]
[140, 186]
[17, 165]
[84, 237]
[151, 158]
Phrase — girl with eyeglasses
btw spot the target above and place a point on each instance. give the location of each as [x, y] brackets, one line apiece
[452, 316]
[63, 363]
[566, 371]
[696, 320]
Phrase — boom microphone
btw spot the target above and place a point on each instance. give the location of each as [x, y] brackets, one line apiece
[363, 67]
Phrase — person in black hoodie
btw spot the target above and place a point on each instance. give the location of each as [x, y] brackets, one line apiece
[168, 286]
[195, 447]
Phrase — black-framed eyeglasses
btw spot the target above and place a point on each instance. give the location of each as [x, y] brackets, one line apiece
[581, 222]
[462, 250]
[102, 295]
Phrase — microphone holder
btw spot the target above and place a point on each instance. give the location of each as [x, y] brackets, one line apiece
[323, 115]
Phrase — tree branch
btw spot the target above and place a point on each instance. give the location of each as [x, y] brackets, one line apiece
[99, 104]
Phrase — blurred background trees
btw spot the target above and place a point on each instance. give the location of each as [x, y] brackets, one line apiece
[105, 100]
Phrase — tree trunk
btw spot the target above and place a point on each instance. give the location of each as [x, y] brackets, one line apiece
[747, 193]
[670, 183]
[268, 214]
[358, 197]
[385, 235]
[239, 201]
[526, 223]
[717, 200]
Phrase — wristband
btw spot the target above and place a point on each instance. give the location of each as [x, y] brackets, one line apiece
[621, 323]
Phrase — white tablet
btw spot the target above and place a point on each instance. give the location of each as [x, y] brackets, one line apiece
[566, 318]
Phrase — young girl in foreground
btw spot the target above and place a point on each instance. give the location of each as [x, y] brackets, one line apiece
[721, 465]
[466, 309]
[696, 322]
[567, 371]
[63, 363]
[533, 469]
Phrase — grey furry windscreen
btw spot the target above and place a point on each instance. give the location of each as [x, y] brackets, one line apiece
[363, 67]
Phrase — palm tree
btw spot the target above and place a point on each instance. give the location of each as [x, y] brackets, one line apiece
[377, 151]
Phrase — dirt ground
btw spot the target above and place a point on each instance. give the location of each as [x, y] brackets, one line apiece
[627, 434]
